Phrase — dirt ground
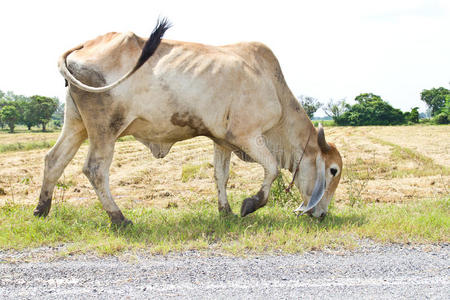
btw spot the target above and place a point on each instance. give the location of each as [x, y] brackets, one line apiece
[379, 165]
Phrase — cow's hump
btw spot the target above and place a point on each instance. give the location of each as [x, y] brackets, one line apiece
[109, 53]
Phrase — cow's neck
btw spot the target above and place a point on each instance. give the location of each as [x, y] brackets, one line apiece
[288, 140]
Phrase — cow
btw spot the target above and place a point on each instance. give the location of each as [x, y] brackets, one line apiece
[163, 91]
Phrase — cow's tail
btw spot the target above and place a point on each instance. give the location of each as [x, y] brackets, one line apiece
[149, 48]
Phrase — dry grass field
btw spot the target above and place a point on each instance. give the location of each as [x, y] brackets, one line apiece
[381, 164]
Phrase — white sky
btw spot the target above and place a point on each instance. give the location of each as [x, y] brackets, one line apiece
[327, 49]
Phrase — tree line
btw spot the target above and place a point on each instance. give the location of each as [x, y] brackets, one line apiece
[371, 109]
[29, 111]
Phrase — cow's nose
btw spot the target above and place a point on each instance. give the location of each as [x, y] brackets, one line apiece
[322, 216]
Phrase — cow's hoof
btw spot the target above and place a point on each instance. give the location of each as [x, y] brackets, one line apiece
[248, 206]
[118, 220]
[121, 224]
[226, 211]
[41, 211]
[126, 222]
[228, 214]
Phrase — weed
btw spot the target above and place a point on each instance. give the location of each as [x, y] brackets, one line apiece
[281, 197]
[172, 204]
[26, 180]
[61, 186]
[356, 181]
[191, 171]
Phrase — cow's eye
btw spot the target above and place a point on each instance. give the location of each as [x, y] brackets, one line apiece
[333, 171]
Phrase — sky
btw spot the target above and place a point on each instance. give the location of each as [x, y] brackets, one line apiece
[327, 49]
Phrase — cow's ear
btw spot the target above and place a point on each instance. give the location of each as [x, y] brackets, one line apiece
[319, 187]
[321, 140]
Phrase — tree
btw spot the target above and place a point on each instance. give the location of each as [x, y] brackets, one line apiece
[444, 116]
[310, 105]
[10, 116]
[44, 107]
[9, 96]
[367, 98]
[3, 103]
[29, 115]
[446, 108]
[414, 115]
[435, 99]
[20, 102]
[58, 115]
[336, 109]
[371, 110]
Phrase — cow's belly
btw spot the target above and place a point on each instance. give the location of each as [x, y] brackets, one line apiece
[164, 132]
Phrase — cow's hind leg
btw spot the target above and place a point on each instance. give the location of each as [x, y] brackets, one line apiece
[258, 151]
[96, 169]
[221, 172]
[72, 135]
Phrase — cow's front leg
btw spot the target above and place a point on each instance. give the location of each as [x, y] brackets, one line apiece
[96, 170]
[255, 147]
[221, 172]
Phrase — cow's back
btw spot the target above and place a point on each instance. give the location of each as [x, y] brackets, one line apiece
[182, 86]
[217, 84]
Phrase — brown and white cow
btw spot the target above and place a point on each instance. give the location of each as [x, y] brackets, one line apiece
[234, 94]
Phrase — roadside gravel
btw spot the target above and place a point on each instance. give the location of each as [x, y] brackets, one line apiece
[372, 271]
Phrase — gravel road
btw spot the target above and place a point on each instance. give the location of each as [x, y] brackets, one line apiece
[374, 271]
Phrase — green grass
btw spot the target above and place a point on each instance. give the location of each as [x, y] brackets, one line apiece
[23, 129]
[325, 123]
[26, 146]
[272, 228]
[191, 171]
[127, 138]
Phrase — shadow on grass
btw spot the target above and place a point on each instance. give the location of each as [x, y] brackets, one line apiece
[160, 226]
[201, 226]
[169, 228]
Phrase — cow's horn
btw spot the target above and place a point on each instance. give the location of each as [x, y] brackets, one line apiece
[321, 140]
[319, 188]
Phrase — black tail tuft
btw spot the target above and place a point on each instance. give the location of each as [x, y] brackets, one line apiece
[153, 42]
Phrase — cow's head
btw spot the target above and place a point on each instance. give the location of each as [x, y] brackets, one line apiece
[319, 177]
